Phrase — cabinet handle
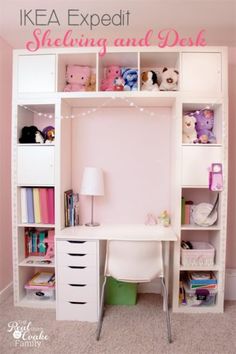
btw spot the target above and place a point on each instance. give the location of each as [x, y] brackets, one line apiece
[77, 302]
[77, 254]
[76, 241]
[77, 267]
[80, 285]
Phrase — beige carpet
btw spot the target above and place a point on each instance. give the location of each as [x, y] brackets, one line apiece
[136, 329]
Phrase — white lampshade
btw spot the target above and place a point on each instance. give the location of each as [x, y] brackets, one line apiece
[92, 181]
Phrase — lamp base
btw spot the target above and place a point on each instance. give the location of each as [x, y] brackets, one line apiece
[92, 224]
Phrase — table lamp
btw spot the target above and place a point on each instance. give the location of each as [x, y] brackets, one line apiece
[93, 185]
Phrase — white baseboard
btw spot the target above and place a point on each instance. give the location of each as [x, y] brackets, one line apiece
[6, 292]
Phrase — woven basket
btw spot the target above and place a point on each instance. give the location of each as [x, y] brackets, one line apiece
[202, 254]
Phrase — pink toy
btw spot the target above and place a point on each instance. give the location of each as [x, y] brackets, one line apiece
[216, 177]
[49, 241]
[113, 73]
[77, 78]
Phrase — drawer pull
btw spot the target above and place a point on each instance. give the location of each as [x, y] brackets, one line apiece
[76, 241]
[77, 302]
[77, 267]
[77, 254]
[80, 285]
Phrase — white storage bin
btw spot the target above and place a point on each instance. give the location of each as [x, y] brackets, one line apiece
[41, 293]
[202, 254]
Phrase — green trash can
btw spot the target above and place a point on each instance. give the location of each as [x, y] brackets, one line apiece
[120, 293]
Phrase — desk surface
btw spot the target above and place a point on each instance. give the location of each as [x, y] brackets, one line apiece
[131, 232]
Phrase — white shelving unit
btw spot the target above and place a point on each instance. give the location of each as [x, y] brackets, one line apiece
[39, 80]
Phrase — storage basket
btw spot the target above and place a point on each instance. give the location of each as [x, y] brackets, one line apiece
[202, 254]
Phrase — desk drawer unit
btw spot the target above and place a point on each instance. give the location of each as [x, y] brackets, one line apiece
[77, 280]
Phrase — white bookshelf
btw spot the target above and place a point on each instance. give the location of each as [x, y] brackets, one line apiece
[43, 92]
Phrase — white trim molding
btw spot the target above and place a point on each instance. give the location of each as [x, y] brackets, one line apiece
[230, 284]
[6, 292]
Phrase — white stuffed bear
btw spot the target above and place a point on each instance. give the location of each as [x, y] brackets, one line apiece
[149, 81]
[189, 132]
[169, 79]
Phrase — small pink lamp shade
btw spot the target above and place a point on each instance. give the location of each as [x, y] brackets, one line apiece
[92, 182]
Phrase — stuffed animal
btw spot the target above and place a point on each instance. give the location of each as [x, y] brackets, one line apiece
[149, 81]
[204, 126]
[189, 134]
[31, 135]
[49, 134]
[130, 77]
[92, 83]
[119, 84]
[169, 79]
[112, 72]
[77, 78]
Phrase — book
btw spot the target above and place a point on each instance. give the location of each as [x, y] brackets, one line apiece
[30, 205]
[37, 214]
[50, 200]
[67, 195]
[42, 247]
[201, 279]
[43, 278]
[43, 205]
[34, 242]
[24, 212]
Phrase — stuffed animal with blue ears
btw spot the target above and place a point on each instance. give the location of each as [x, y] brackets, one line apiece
[130, 77]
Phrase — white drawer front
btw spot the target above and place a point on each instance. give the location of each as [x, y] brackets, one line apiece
[77, 311]
[35, 165]
[77, 292]
[76, 258]
[196, 161]
[36, 73]
[88, 247]
[77, 275]
[201, 72]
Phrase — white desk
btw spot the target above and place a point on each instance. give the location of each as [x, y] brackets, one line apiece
[80, 255]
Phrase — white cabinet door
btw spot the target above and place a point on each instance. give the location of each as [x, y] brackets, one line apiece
[35, 165]
[201, 72]
[196, 162]
[36, 73]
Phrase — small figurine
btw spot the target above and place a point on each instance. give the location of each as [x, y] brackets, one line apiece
[164, 219]
[150, 219]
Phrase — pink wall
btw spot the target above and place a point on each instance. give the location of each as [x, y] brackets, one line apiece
[231, 241]
[133, 150]
[5, 165]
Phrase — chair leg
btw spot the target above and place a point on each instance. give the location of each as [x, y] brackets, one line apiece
[101, 310]
[165, 296]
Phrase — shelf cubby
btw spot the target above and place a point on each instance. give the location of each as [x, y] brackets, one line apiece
[158, 61]
[81, 59]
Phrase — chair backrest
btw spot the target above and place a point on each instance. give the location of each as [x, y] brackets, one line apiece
[134, 261]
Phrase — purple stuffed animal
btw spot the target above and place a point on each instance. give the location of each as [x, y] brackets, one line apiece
[204, 126]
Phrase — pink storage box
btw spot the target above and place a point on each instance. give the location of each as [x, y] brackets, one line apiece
[202, 254]
[40, 293]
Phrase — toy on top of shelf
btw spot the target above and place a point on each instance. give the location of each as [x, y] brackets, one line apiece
[169, 79]
[119, 84]
[164, 219]
[112, 73]
[92, 83]
[31, 135]
[150, 219]
[189, 134]
[149, 81]
[77, 78]
[204, 126]
[49, 134]
[49, 241]
[130, 77]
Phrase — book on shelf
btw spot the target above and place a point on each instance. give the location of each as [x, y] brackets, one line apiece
[43, 279]
[35, 242]
[202, 280]
[37, 205]
[71, 208]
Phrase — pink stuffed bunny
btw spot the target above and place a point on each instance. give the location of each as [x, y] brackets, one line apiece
[77, 78]
[112, 72]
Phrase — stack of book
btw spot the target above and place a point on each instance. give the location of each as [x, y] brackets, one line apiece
[71, 208]
[43, 279]
[206, 280]
[37, 205]
[35, 242]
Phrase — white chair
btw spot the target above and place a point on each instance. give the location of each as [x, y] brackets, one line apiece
[137, 262]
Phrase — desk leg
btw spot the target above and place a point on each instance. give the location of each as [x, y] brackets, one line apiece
[166, 264]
